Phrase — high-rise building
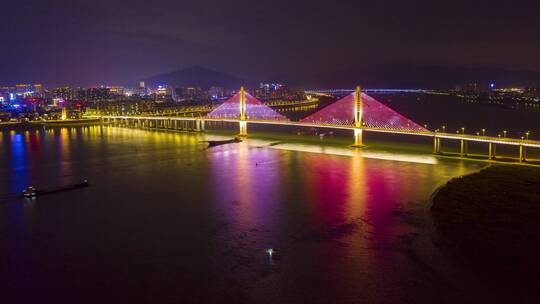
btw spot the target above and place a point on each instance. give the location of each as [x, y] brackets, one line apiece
[23, 88]
[98, 93]
[38, 88]
[142, 89]
[163, 92]
[216, 92]
[117, 90]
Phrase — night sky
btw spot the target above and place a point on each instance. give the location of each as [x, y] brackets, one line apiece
[119, 42]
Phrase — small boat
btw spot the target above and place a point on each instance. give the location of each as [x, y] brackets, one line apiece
[214, 143]
[33, 192]
[29, 192]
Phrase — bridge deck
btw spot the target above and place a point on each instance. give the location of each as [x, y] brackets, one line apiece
[466, 137]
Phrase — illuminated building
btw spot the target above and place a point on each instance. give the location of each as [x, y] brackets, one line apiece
[141, 90]
[216, 92]
[38, 88]
[57, 102]
[23, 88]
[98, 93]
[117, 90]
[163, 91]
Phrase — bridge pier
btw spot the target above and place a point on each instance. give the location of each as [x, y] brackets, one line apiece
[199, 125]
[492, 150]
[243, 128]
[463, 151]
[358, 140]
[521, 154]
[436, 145]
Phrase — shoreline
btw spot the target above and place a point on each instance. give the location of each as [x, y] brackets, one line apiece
[489, 222]
[32, 125]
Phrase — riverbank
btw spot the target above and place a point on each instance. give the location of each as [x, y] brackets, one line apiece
[33, 125]
[490, 222]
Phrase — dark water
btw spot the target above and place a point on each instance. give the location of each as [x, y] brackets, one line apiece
[454, 113]
[167, 221]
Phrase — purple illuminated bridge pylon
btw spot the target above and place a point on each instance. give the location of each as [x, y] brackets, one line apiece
[361, 111]
[254, 109]
[356, 111]
[244, 107]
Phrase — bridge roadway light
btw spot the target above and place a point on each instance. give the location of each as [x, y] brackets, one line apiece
[443, 128]
[527, 135]
[462, 130]
[504, 132]
[483, 132]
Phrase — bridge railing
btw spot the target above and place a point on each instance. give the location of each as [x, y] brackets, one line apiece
[440, 135]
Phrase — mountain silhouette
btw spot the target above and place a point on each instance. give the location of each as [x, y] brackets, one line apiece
[196, 76]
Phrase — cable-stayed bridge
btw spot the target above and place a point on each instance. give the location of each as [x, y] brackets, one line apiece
[357, 111]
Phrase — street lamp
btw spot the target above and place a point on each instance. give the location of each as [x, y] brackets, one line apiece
[504, 132]
[462, 130]
[483, 132]
[527, 135]
[443, 128]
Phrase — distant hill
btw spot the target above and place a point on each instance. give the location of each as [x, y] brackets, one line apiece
[196, 76]
[373, 76]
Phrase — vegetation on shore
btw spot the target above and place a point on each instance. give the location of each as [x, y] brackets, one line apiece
[490, 220]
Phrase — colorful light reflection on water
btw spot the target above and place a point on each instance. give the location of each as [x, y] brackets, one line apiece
[167, 219]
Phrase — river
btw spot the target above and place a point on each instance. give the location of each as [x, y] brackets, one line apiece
[167, 220]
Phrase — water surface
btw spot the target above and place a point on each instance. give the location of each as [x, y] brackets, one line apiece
[166, 220]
